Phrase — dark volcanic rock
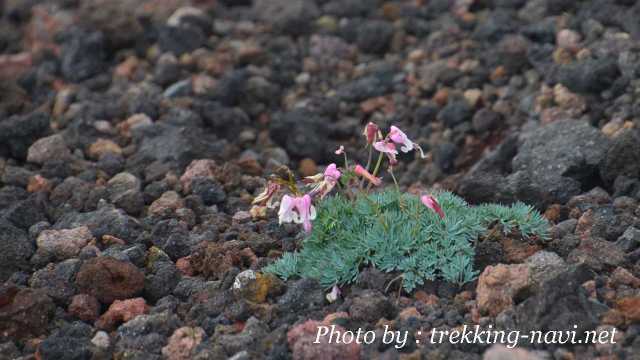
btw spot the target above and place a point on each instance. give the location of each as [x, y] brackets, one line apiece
[302, 134]
[366, 87]
[146, 334]
[561, 303]
[24, 313]
[57, 280]
[552, 164]
[180, 145]
[109, 279]
[180, 39]
[71, 342]
[172, 236]
[557, 160]
[622, 158]
[162, 279]
[293, 17]
[375, 36]
[107, 220]
[370, 306]
[83, 55]
[455, 113]
[302, 294]
[27, 212]
[589, 76]
[17, 133]
[15, 250]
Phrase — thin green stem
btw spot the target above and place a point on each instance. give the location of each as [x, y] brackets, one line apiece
[370, 157]
[368, 164]
[375, 170]
[394, 180]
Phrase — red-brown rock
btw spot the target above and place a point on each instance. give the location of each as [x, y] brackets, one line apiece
[109, 279]
[24, 313]
[301, 340]
[84, 307]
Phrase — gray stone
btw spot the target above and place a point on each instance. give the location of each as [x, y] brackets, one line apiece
[15, 250]
[629, 240]
[48, 148]
[293, 17]
[552, 164]
[622, 158]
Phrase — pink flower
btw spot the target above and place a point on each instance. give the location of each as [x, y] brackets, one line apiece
[331, 173]
[360, 171]
[370, 132]
[387, 148]
[430, 202]
[324, 183]
[340, 150]
[298, 210]
[397, 136]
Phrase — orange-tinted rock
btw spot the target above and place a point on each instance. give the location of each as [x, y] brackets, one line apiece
[184, 265]
[38, 183]
[103, 146]
[498, 284]
[630, 309]
[410, 312]
[109, 279]
[516, 251]
[428, 299]
[183, 342]
[122, 311]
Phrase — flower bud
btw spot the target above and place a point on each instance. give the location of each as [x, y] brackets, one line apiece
[370, 132]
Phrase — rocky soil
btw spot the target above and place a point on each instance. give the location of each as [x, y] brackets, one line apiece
[134, 135]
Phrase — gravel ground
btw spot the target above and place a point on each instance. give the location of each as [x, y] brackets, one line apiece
[134, 135]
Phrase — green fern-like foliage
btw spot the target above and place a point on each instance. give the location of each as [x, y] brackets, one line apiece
[396, 232]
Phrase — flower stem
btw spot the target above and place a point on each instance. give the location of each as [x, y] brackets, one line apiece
[394, 180]
[370, 157]
[375, 170]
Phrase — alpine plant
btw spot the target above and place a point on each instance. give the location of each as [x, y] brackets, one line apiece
[351, 221]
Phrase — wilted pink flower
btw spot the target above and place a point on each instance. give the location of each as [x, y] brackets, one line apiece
[360, 171]
[265, 197]
[370, 132]
[430, 202]
[324, 182]
[387, 148]
[340, 150]
[298, 210]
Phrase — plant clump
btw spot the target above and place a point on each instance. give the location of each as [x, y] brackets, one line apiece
[423, 237]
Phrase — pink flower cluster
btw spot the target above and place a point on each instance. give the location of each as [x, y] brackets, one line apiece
[299, 208]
